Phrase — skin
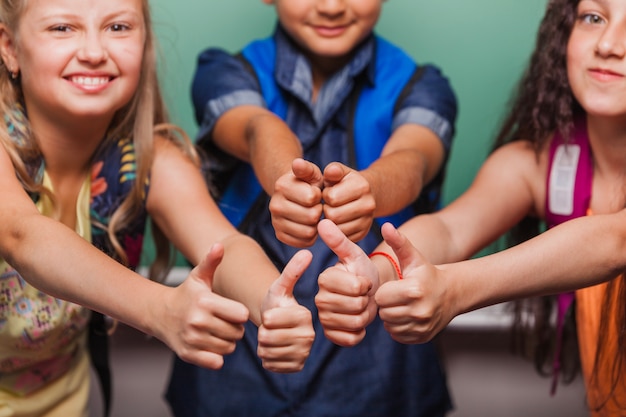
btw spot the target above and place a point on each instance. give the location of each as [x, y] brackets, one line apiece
[69, 115]
[509, 186]
[301, 192]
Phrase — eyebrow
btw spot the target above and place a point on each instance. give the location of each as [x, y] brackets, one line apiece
[601, 2]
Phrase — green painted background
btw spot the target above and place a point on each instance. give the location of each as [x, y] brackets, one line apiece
[481, 45]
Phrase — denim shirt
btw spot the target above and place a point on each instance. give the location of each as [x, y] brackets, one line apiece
[378, 377]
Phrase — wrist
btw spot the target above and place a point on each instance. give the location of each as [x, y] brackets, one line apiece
[395, 271]
[457, 297]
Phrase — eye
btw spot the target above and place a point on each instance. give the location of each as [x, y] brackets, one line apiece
[119, 27]
[61, 28]
[591, 18]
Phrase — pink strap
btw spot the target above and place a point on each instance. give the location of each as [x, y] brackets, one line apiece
[580, 204]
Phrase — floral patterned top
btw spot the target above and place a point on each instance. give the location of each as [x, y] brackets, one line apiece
[42, 337]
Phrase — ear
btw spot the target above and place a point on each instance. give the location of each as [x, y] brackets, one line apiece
[7, 49]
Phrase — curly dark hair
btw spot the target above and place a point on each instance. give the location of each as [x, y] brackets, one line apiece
[543, 102]
[542, 105]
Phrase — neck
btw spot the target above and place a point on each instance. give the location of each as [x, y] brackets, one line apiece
[607, 137]
[68, 147]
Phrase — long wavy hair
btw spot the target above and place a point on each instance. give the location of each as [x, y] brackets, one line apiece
[542, 105]
[143, 117]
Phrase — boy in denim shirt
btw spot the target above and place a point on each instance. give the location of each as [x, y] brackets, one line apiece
[323, 119]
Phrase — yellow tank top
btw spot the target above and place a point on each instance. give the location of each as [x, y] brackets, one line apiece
[43, 361]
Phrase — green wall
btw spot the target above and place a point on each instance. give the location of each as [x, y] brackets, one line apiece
[481, 45]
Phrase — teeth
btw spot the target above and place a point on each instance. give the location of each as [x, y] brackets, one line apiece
[90, 81]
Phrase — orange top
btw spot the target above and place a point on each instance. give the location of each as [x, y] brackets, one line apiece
[589, 303]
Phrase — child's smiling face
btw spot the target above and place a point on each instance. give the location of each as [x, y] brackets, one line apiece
[75, 57]
[596, 57]
[328, 28]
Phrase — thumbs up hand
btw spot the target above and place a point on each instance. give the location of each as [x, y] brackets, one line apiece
[413, 309]
[345, 300]
[197, 324]
[286, 334]
[348, 200]
[296, 204]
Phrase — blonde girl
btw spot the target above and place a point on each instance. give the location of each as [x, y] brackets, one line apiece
[86, 156]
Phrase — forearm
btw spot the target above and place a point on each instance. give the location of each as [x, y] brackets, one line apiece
[396, 180]
[438, 237]
[245, 274]
[54, 259]
[576, 254]
[411, 159]
[273, 147]
[260, 138]
[434, 238]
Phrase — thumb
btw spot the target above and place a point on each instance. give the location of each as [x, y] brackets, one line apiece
[408, 255]
[294, 269]
[348, 252]
[307, 171]
[334, 173]
[205, 270]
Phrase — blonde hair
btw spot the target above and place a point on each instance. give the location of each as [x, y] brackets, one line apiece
[140, 120]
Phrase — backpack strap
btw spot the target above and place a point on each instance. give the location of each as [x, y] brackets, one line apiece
[98, 344]
[570, 177]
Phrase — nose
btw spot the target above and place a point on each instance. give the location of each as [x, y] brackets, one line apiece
[331, 7]
[612, 41]
[92, 49]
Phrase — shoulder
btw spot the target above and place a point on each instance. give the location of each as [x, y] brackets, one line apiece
[171, 139]
[521, 162]
[425, 85]
[428, 99]
[219, 79]
[215, 63]
[520, 154]
[214, 56]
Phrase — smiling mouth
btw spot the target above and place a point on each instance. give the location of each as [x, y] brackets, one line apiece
[90, 81]
[330, 30]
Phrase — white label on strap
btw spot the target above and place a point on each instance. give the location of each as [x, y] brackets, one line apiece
[563, 179]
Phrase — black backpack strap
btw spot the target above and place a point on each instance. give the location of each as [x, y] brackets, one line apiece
[417, 75]
[98, 343]
[248, 66]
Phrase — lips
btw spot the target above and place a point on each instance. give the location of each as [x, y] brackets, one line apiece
[605, 74]
[330, 31]
[90, 81]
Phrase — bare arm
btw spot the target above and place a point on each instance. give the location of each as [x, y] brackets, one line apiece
[257, 136]
[180, 204]
[509, 186]
[195, 323]
[410, 159]
[575, 254]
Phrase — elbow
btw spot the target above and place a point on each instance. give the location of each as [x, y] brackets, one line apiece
[617, 230]
[12, 239]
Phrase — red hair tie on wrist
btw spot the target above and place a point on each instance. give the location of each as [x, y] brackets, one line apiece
[393, 262]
